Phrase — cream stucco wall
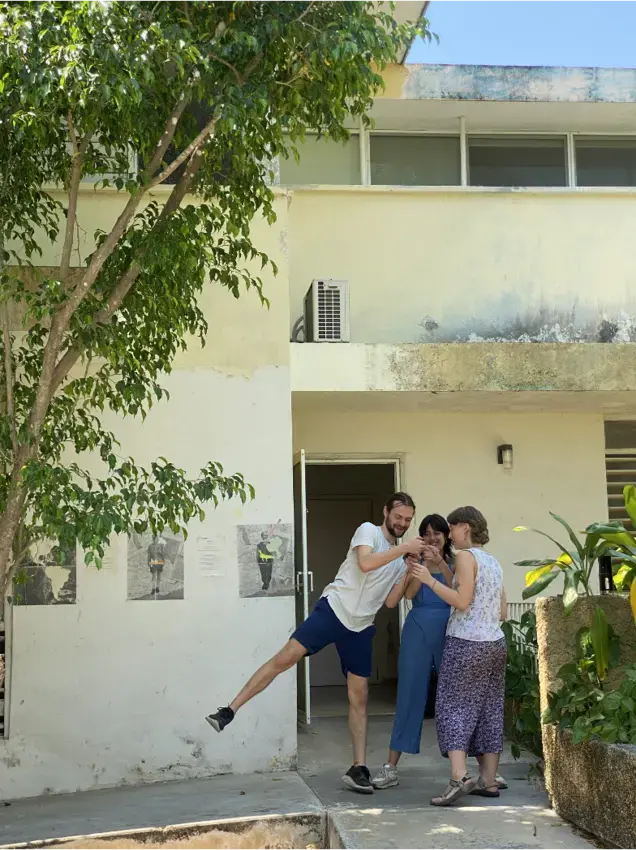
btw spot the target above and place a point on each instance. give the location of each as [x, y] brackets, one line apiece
[450, 459]
[426, 266]
[111, 691]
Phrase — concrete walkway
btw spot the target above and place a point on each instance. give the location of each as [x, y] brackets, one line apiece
[398, 817]
[402, 817]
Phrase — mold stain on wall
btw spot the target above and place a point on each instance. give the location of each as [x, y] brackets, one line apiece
[543, 326]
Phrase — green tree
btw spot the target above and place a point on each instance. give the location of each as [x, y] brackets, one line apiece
[202, 96]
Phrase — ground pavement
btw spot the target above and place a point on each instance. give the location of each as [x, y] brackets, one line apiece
[397, 817]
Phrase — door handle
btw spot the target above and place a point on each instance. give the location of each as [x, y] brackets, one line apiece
[299, 580]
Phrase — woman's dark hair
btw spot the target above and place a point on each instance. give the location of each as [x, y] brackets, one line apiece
[399, 499]
[438, 523]
[475, 519]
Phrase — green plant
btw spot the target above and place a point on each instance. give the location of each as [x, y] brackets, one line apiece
[522, 718]
[199, 99]
[575, 565]
[584, 705]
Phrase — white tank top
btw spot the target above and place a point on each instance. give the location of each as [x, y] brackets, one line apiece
[480, 621]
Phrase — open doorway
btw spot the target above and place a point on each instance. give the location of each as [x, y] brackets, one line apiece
[340, 497]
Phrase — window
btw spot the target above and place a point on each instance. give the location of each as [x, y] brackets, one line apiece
[415, 160]
[605, 162]
[620, 466]
[517, 161]
[323, 161]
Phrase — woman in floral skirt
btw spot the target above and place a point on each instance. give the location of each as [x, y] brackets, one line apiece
[470, 689]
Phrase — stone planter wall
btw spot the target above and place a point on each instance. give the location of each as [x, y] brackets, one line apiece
[592, 785]
[556, 635]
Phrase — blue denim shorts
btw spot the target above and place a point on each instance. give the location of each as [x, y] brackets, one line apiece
[322, 627]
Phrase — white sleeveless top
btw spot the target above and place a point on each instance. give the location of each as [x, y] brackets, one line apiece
[480, 621]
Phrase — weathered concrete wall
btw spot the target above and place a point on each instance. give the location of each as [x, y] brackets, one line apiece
[592, 785]
[444, 266]
[516, 83]
[114, 691]
[556, 635]
[451, 459]
[456, 368]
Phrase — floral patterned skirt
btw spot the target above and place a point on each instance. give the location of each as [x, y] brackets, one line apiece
[470, 696]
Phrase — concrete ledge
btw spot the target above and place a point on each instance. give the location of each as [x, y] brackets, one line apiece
[592, 785]
[464, 367]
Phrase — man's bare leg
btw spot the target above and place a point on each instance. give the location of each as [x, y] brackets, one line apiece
[287, 657]
[358, 692]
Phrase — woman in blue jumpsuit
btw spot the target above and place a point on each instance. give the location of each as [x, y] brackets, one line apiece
[421, 648]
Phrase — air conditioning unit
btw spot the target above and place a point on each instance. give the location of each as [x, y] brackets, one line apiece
[327, 311]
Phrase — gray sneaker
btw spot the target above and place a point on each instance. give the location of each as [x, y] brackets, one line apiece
[387, 777]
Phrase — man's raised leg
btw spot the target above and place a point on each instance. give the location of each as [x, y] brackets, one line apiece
[287, 657]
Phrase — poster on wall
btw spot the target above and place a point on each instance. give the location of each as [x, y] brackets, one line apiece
[49, 576]
[155, 566]
[265, 560]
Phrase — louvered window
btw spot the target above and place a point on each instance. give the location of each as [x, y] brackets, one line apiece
[620, 466]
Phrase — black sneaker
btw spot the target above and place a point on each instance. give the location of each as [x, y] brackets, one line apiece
[220, 720]
[358, 779]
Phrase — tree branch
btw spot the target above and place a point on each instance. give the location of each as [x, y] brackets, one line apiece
[126, 281]
[166, 138]
[304, 13]
[233, 68]
[185, 154]
[8, 376]
[79, 149]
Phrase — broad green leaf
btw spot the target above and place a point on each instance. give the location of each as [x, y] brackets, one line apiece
[543, 534]
[570, 596]
[539, 585]
[534, 563]
[629, 495]
[533, 575]
[573, 537]
[599, 635]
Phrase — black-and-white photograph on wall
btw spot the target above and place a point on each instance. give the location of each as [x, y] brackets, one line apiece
[49, 576]
[155, 566]
[265, 560]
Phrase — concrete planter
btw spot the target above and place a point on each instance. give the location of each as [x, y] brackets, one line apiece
[556, 635]
[592, 785]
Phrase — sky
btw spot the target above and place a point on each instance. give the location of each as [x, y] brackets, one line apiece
[531, 32]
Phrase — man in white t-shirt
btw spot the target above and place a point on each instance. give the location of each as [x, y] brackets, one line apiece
[372, 574]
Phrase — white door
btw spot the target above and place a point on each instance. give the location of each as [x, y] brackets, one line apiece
[304, 578]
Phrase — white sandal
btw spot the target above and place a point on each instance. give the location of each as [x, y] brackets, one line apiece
[455, 789]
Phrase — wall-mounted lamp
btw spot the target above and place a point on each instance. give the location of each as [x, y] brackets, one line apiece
[504, 456]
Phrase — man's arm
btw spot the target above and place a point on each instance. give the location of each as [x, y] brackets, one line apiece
[368, 561]
[397, 592]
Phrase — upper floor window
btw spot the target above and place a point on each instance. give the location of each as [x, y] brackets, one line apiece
[409, 160]
[323, 161]
[517, 161]
[605, 162]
